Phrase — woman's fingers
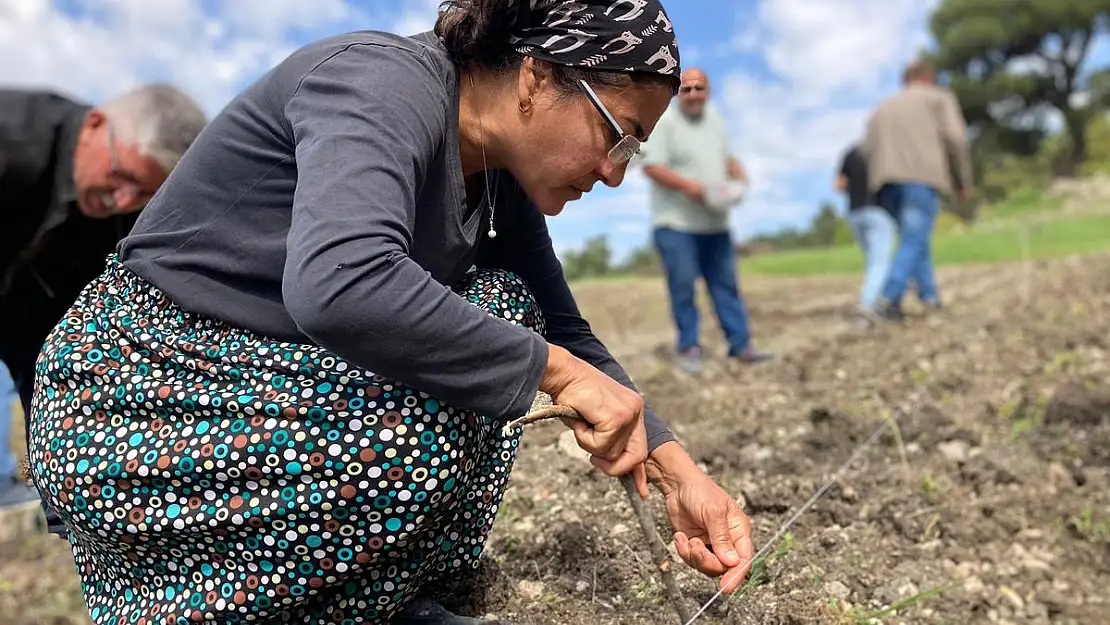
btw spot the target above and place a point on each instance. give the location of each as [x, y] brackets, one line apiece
[630, 459]
[611, 411]
[604, 445]
[682, 546]
[704, 560]
[639, 476]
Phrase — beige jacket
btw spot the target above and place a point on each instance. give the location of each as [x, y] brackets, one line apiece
[918, 135]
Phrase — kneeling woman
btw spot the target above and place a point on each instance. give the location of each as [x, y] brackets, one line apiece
[283, 401]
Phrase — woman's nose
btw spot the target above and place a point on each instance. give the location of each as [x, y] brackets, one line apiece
[610, 173]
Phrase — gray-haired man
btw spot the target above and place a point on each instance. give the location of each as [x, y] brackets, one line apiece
[72, 178]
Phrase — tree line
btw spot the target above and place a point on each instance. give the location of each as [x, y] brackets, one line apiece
[1018, 64]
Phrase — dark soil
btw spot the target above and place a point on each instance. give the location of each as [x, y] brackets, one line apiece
[989, 503]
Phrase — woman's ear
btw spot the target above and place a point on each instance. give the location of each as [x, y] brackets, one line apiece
[533, 78]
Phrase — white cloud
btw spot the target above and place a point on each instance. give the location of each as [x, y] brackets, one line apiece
[419, 16]
[821, 46]
[207, 49]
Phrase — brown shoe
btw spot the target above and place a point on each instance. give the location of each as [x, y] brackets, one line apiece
[751, 356]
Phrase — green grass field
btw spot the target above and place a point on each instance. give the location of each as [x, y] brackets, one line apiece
[1005, 232]
[1023, 201]
[1045, 240]
[1021, 226]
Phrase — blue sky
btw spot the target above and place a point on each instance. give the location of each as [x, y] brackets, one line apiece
[793, 78]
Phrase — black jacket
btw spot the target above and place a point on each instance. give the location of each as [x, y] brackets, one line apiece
[49, 251]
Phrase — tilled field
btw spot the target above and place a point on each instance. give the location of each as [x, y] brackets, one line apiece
[989, 502]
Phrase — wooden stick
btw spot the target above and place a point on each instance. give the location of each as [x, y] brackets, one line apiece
[647, 524]
[544, 414]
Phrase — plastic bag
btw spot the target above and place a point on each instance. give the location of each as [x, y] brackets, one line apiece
[724, 196]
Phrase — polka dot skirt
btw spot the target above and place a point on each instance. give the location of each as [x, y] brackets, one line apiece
[206, 474]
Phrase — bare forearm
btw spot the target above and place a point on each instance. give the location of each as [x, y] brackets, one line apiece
[667, 177]
[670, 465]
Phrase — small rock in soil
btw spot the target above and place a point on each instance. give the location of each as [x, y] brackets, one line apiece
[954, 451]
[1035, 565]
[524, 526]
[529, 589]
[974, 586]
[1036, 610]
[963, 571]
[838, 590]
[1059, 476]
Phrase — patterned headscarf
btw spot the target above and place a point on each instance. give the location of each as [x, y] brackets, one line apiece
[612, 35]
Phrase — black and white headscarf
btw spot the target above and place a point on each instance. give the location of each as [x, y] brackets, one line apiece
[612, 35]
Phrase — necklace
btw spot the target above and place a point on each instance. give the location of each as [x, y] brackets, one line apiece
[489, 197]
[492, 233]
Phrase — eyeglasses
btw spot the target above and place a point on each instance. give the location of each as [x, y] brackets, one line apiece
[131, 188]
[627, 146]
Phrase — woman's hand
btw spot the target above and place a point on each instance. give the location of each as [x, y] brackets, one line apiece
[712, 534]
[613, 431]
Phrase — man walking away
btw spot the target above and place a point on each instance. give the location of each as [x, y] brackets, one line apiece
[873, 227]
[916, 143]
[688, 153]
[72, 178]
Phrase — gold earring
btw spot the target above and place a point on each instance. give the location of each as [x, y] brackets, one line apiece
[525, 105]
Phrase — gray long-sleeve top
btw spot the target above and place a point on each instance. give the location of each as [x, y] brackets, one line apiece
[326, 204]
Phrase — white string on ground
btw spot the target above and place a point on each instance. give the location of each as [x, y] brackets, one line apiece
[806, 506]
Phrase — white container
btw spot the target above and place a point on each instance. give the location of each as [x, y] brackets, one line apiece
[725, 196]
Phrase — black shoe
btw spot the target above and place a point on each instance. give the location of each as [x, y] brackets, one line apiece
[889, 311]
[428, 612]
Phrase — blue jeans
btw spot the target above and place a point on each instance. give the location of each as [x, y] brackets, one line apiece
[874, 230]
[7, 398]
[915, 207]
[711, 256]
